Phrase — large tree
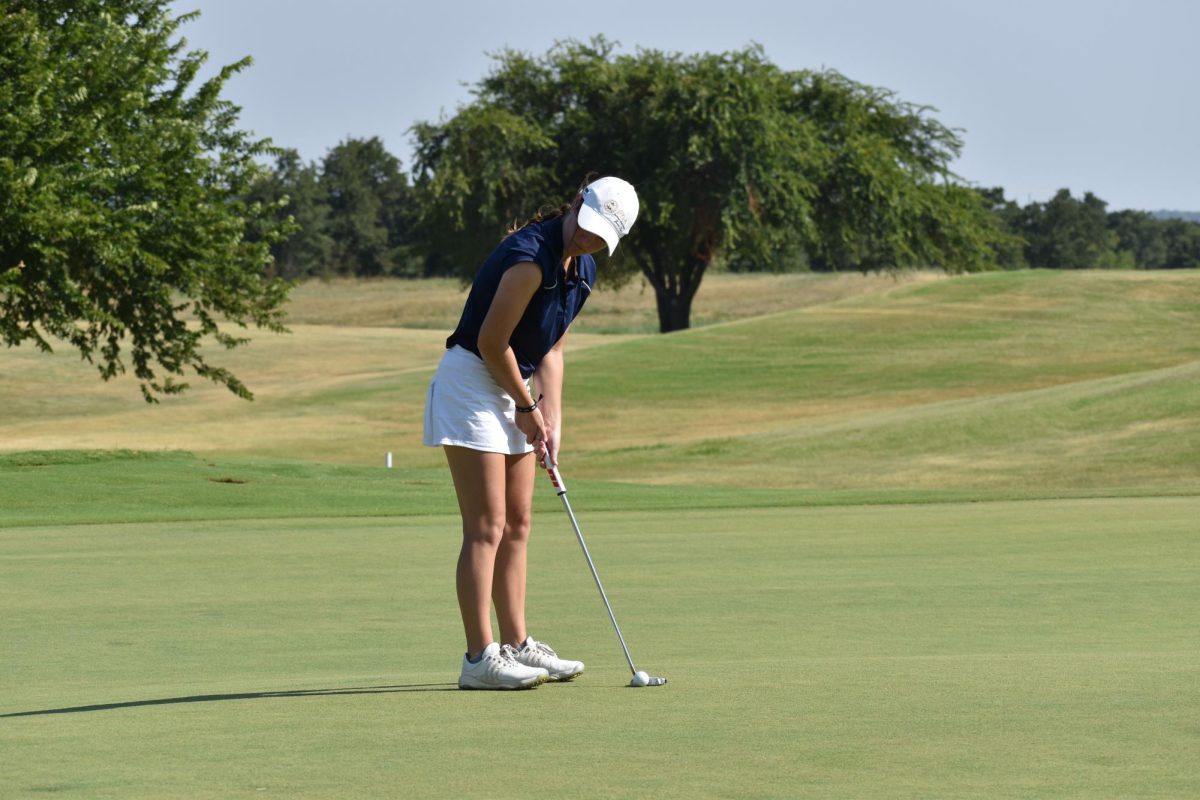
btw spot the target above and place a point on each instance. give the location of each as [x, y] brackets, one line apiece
[1010, 253]
[351, 212]
[1065, 233]
[293, 190]
[732, 156]
[1141, 235]
[123, 225]
[366, 195]
[1182, 238]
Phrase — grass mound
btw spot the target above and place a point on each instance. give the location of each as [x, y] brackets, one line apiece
[1039, 381]
[1000, 384]
[59, 458]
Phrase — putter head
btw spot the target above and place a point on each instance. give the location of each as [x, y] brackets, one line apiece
[651, 680]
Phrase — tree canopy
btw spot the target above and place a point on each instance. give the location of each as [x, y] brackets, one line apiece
[124, 228]
[1070, 233]
[734, 157]
[352, 211]
[291, 189]
[137, 225]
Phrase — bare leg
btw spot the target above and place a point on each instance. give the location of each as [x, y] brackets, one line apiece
[479, 481]
[508, 585]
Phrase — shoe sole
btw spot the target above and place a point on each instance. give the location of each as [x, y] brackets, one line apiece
[560, 677]
[502, 688]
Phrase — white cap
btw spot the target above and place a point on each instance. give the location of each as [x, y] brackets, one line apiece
[610, 207]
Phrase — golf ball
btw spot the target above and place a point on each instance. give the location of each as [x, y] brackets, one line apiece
[639, 679]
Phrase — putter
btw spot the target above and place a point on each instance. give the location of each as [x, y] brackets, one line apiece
[639, 678]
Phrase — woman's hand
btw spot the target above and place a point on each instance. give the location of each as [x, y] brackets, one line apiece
[534, 427]
[549, 379]
[553, 440]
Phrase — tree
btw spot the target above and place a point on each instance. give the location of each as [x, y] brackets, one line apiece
[1182, 240]
[366, 194]
[350, 215]
[1010, 253]
[476, 171]
[292, 188]
[1141, 235]
[1066, 233]
[733, 157]
[886, 197]
[122, 228]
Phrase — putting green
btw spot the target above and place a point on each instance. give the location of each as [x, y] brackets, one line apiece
[957, 650]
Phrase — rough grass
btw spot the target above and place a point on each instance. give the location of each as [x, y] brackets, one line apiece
[1015, 382]
[1034, 379]
[723, 297]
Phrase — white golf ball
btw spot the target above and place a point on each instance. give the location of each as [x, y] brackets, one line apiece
[639, 679]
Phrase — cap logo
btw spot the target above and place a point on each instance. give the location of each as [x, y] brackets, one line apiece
[614, 214]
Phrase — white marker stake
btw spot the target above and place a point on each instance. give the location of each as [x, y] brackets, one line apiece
[389, 459]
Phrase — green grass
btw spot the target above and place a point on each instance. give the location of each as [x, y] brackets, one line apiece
[924, 539]
[1021, 649]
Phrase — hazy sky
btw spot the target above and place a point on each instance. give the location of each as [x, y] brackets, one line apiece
[1086, 94]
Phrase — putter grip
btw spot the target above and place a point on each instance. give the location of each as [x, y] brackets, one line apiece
[555, 478]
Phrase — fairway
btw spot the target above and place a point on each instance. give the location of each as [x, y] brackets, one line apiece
[933, 538]
[981, 650]
[970, 387]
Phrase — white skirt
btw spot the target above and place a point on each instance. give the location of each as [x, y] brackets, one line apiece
[465, 407]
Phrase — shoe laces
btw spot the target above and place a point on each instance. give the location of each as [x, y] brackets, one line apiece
[545, 648]
[508, 654]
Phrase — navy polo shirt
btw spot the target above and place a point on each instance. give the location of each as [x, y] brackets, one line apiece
[551, 309]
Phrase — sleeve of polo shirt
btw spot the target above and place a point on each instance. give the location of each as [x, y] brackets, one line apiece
[517, 248]
[521, 247]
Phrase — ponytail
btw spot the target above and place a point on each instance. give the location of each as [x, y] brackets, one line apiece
[546, 212]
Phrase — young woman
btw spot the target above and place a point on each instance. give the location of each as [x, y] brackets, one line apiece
[482, 410]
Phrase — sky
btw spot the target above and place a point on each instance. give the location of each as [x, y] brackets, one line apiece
[1089, 95]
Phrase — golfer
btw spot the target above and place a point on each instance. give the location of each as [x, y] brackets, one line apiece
[482, 409]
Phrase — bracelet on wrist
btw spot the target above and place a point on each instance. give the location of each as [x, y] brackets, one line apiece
[532, 408]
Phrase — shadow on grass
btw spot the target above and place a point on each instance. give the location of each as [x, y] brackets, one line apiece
[212, 698]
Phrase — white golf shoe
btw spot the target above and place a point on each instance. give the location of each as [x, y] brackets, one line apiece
[533, 653]
[496, 669]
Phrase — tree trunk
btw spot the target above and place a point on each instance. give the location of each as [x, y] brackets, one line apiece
[674, 312]
[674, 291]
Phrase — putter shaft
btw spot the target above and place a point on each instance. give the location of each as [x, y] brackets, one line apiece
[561, 488]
